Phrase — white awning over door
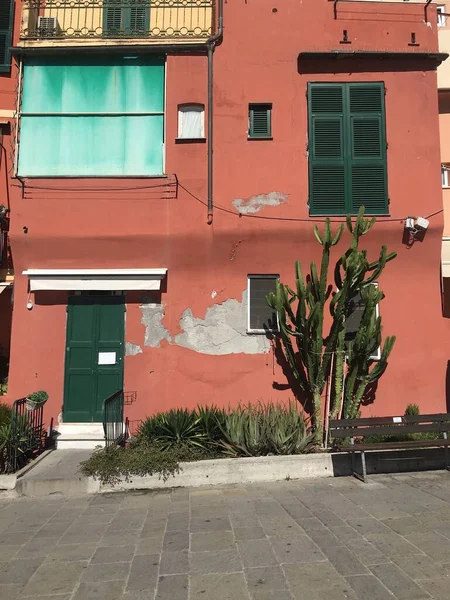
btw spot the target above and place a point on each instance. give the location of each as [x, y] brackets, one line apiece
[95, 279]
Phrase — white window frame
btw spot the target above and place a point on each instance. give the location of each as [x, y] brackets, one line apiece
[444, 176]
[260, 276]
[191, 107]
[441, 16]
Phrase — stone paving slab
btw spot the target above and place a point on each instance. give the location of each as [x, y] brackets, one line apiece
[337, 539]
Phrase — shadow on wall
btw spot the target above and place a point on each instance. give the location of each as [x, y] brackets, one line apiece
[52, 298]
[321, 63]
[291, 382]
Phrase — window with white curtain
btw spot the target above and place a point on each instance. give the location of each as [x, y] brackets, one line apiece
[191, 121]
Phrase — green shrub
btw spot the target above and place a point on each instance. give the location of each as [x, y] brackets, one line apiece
[140, 458]
[5, 413]
[166, 439]
[38, 397]
[411, 410]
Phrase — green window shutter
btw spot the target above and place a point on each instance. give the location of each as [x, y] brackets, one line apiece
[6, 25]
[347, 148]
[368, 170]
[260, 121]
[139, 17]
[130, 20]
[112, 19]
[327, 189]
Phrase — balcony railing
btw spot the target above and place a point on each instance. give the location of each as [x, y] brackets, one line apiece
[100, 21]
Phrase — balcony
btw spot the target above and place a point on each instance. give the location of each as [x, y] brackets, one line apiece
[115, 22]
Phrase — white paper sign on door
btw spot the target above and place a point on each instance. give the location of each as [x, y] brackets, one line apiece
[106, 358]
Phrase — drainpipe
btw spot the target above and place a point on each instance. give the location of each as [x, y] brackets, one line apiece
[211, 44]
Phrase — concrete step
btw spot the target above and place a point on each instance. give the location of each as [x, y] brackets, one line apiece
[82, 436]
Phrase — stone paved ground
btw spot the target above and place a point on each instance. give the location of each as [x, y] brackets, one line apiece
[315, 540]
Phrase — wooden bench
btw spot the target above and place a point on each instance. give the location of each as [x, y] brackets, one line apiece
[356, 430]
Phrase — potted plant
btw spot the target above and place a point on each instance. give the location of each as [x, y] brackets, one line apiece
[36, 399]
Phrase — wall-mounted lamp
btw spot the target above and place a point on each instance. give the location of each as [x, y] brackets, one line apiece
[415, 226]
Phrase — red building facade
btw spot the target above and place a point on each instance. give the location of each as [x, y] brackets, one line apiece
[186, 338]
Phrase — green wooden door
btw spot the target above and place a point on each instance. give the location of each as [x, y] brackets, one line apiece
[94, 355]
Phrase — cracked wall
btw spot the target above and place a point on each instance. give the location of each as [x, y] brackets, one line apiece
[254, 204]
[222, 331]
[132, 349]
[155, 332]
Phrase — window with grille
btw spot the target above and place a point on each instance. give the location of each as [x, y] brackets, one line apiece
[260, 121]
[6, 24]
[441, 16]
[261, 317]
[132, 18]
[347, 149]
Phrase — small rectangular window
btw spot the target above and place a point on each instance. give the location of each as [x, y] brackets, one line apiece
[441, 16]
[353, 322]
[260, 121]
[191, 121]
[261, 317]
[444, 175]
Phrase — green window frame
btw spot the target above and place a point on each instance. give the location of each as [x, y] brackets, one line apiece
[260, 121]
[347, 149]
[6, 26]
[126, 18]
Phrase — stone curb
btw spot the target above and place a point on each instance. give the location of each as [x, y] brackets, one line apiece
[230, 471]
[9, 481]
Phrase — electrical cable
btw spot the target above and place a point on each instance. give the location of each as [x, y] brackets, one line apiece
[295, 219]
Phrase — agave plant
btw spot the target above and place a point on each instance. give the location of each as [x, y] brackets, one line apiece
[288, 431]
[17, 437]
[211, 419]
[175, 427]
[233, 440]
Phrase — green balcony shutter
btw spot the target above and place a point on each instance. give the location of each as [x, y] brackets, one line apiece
[112, 19]
[126, 20]
[327, 189]
[368, 171]
[260, 117]
[6, 25]
[139, 17]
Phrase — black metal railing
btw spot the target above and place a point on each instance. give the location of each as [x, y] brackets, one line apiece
[115, 427]
[181, 20]
[27, 436]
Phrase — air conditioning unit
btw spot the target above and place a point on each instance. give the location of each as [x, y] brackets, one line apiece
[47, 26]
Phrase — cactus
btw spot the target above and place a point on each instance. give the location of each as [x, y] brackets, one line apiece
[309, 360]
[301, 316]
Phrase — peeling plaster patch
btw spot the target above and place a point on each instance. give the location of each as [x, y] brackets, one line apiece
[132, 349]
[246, 206]
[155, 332]
[222, 331]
